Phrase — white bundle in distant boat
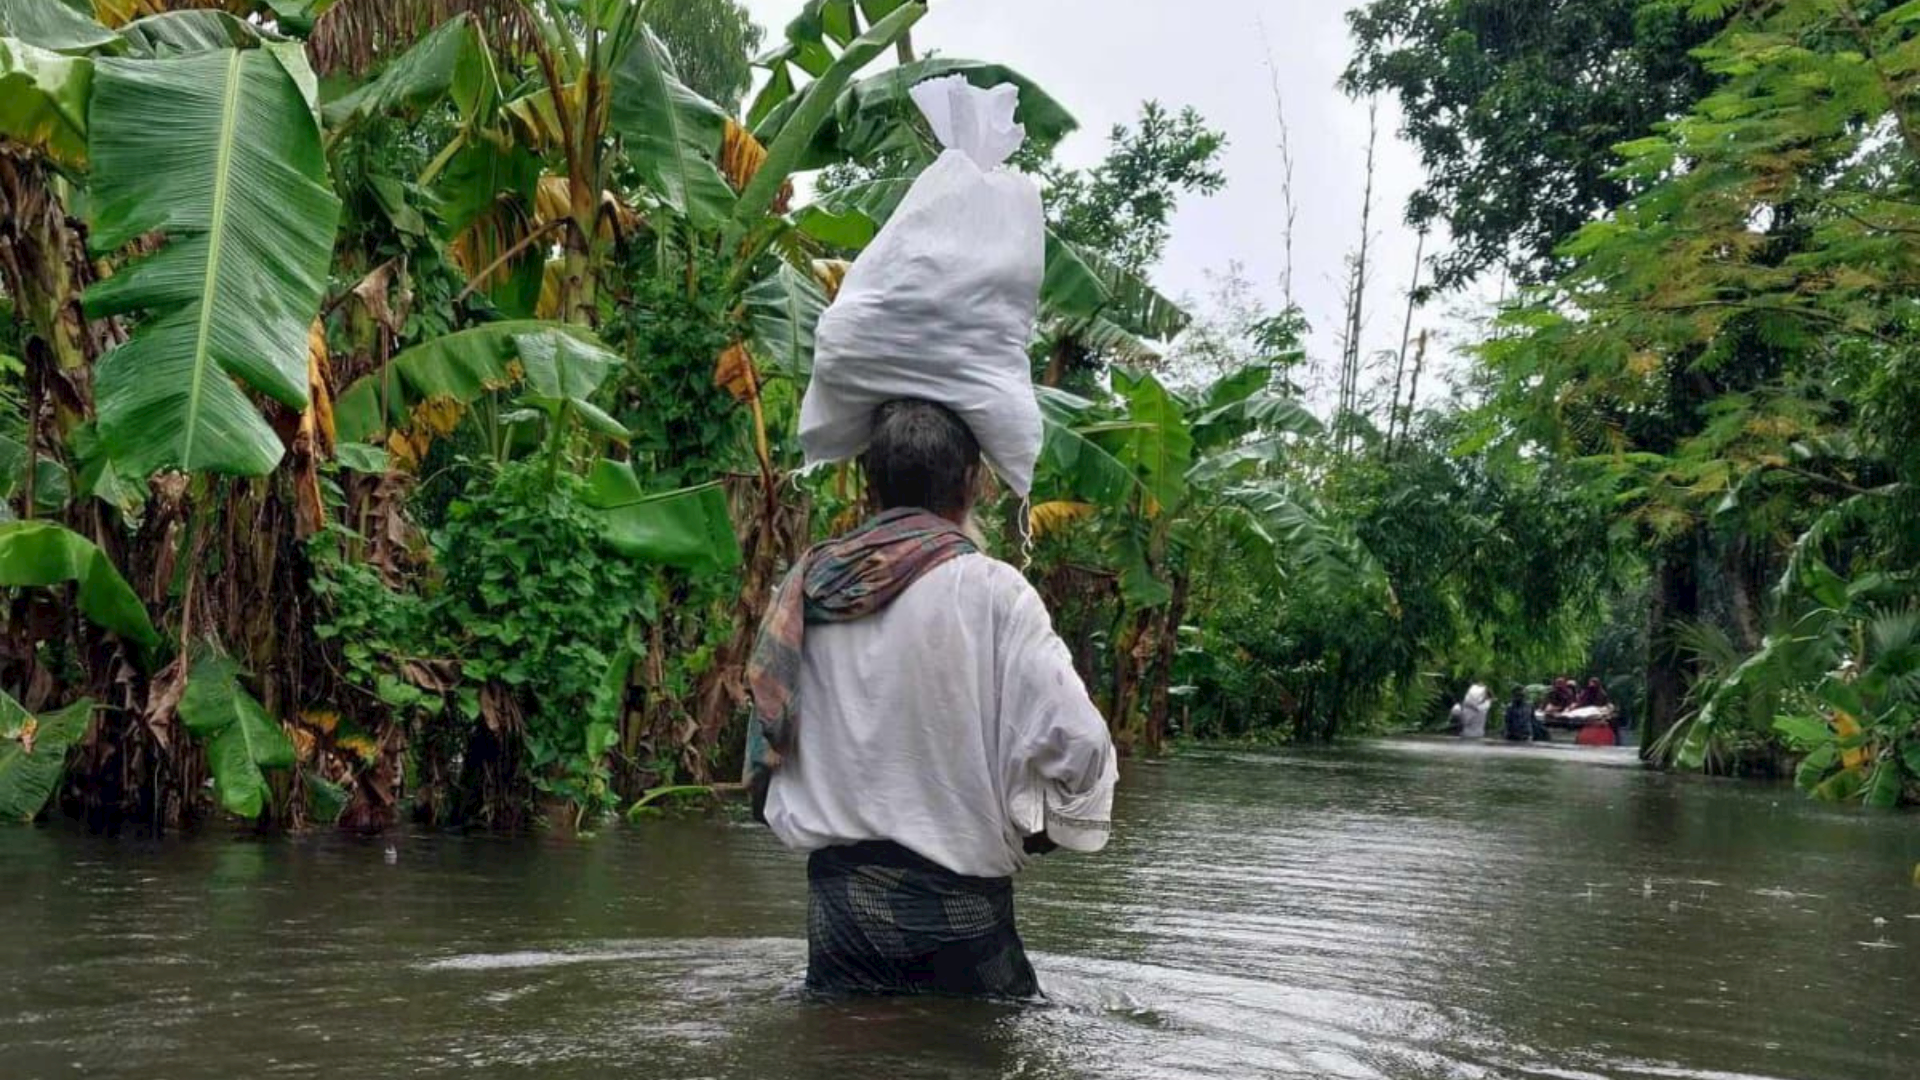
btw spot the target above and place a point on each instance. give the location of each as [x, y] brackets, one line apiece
[941, 305]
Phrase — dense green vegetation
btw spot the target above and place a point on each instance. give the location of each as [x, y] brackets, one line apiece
[1718, 349]
[397, 398]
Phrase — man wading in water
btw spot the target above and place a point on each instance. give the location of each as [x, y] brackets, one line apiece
[919, 727]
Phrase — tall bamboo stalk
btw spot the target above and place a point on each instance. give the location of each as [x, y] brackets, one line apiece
[1290, 209]
[1413, 390]
[1357, 294]
[1406, 336]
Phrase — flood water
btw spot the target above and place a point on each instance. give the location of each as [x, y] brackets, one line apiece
[1401, 910]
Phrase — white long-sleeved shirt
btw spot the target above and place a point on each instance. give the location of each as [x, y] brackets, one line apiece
[952, 723]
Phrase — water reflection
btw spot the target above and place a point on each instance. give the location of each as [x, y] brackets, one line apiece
[1409, 911]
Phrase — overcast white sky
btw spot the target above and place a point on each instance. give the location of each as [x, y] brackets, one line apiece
[1101, 58]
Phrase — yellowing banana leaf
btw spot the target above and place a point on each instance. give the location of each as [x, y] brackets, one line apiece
[460, 367]
[219, 152]
[242, 741]
[689, 528]
[673, 135]
[1048, 518]
[33, 754]
[535, 123]
[43, 101]
[41, 554]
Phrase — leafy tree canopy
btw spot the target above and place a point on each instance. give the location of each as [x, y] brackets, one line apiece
[1122, 206]
[1516, 108]
[711, 42]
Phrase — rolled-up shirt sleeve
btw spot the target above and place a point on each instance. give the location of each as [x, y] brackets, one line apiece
[1051, 724]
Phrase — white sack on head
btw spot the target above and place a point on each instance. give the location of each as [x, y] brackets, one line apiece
[941, 305]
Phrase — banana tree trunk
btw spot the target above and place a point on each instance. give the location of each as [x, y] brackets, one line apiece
[773, 534]
[1160, 707]
[44, 266]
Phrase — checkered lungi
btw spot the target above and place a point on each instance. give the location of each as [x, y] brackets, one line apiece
[883, 920]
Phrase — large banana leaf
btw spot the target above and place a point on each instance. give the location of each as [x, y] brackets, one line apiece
[33, 754]
[1243, 460]
[1100, 336]
[220, 152]
[689, 528]
[53, 25]
[185, 33]
[485, 202]
[805, 47]
[1070, 456]
[1080, 284]
[672, 134]
[1303, 545]
[849, 217]
[873, 108]
[564, 371]
[450, 61]
[242, 740]
[1158, 445]
[40, 554]
[51, 486]
[1138, 585]
[877, 114]
[476, 177]
[461, 367]
[43, 101]
[782, 311]
[1246, 402]
[787, 150]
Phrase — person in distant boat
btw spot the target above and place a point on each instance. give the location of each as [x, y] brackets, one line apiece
[1519, 716]
[1473, 712]
[1593, 695]
[919, 728]
[1560, 697]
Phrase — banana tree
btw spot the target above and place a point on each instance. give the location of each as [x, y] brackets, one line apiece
[1157, 476]
[194, 138]
[607, 123]
[182, 408]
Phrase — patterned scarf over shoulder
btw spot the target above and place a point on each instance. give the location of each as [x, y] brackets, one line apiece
[839, 580]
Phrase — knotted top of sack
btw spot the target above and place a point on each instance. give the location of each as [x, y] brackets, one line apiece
[978, 123]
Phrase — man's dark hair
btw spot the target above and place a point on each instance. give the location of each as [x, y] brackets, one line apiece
[922, 456]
